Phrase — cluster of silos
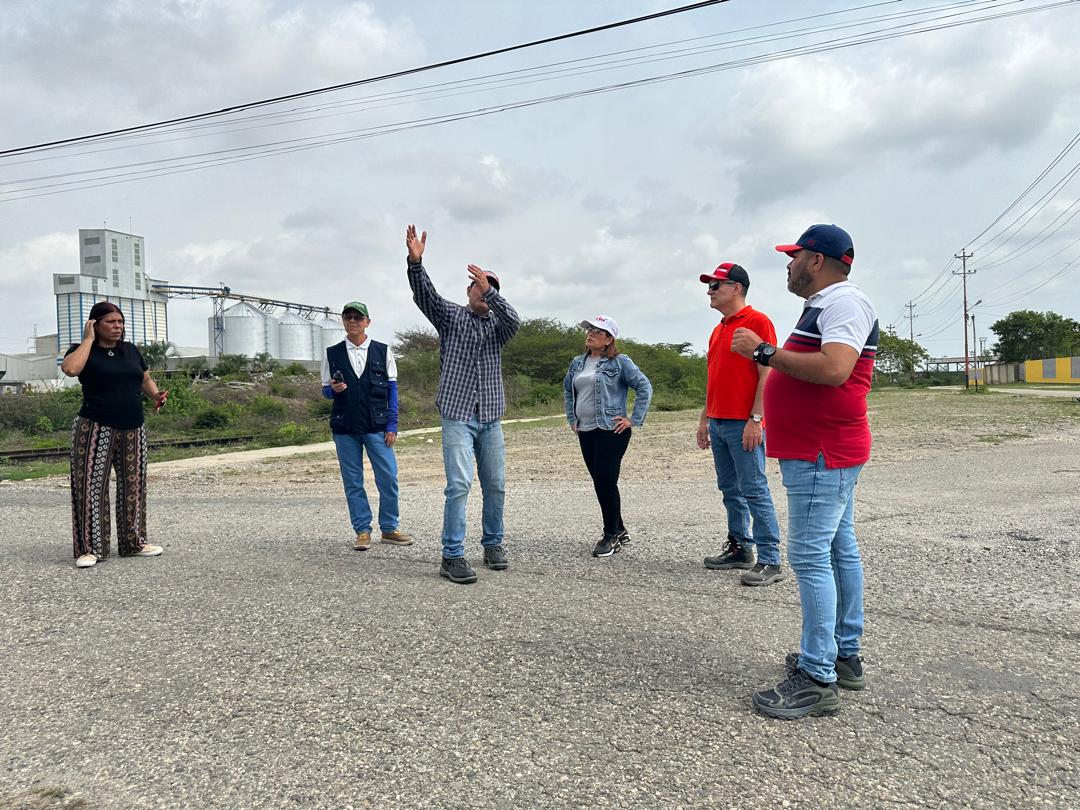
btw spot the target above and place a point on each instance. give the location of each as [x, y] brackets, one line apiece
[250, 331]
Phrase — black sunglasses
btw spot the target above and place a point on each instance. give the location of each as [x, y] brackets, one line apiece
[715, 285]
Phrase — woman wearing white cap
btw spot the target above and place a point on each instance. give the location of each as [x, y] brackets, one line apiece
[595, 391]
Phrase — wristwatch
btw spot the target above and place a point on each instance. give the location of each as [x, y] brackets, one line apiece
[764, 353]
[756, 418]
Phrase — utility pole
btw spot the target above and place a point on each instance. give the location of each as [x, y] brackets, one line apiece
[963, 256]
[911, 316]
[975, 359]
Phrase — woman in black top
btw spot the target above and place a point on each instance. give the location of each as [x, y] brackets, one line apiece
[109, 433]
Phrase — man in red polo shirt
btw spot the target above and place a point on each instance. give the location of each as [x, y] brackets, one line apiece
[733, 425]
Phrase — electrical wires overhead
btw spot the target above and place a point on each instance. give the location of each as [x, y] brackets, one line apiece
[161, 148]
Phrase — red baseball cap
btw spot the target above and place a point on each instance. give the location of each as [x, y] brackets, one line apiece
[728, 272]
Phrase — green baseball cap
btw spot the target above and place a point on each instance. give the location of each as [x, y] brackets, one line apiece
[361, 308]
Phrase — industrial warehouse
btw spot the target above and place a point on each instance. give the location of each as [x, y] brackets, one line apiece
[113, 267]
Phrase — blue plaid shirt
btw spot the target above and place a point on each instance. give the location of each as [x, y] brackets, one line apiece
[470, 350]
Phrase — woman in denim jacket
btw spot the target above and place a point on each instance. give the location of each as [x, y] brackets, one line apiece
[595, 392]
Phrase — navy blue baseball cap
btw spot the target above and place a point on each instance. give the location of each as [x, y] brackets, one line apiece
[828, 240]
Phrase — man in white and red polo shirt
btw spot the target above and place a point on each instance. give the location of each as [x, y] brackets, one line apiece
[815, 402]
[732, 424]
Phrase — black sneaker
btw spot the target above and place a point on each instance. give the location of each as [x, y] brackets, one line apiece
[762, 574]
[849, 671]
[734, 555]
[457, 570]
[495, 558]
[798, 696]
[606, 546]
[624, 537]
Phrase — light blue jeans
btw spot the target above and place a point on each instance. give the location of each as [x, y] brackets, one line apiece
[463, 443]
[740, 475]
[350, 453]
[824, 554]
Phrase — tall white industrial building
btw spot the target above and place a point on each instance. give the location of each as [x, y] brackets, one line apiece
[112, 267]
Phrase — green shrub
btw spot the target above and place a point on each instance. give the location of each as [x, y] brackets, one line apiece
[295, 370]
[283, 388]
[213, 418]
[43, 425]
[321, 408]
[266, 407]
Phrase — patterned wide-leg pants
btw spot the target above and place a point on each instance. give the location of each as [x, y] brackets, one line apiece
[95, 450]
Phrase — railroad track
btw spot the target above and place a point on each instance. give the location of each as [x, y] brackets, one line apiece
[64, 452]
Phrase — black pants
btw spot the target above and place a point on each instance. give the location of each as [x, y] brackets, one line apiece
[603, 451]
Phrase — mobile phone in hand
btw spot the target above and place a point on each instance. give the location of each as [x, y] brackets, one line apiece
[338, 377]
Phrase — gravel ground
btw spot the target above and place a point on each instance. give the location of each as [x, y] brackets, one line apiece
[261, 663]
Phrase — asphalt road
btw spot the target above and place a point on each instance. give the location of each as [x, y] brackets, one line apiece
[261, 663]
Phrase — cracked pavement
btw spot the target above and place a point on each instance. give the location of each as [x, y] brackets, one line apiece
[260, 662]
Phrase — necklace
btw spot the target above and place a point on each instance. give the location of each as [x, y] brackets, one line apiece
[110, 353]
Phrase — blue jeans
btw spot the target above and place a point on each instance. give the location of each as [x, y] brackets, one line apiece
[464, 442]
[740, 475]
[824, 554]
[350, 453]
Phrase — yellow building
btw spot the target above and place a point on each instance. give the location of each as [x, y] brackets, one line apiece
[1053, 370]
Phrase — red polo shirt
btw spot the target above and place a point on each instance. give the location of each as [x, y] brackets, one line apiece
[733, 380]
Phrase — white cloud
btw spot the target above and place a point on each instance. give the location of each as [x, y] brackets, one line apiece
[828, 118]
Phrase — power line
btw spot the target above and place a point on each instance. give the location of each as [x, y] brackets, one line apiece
[369, 80]
[541, 70]
[292, 145]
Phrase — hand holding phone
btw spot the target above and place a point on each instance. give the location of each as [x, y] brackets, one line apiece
[161, 398]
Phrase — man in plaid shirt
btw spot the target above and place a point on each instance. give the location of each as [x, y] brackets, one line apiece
[471, 402]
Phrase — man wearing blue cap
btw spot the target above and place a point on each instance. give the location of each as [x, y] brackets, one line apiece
[815, 401]
[360, 376]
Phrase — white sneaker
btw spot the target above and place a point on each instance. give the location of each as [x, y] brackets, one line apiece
[149, 551]
[86, 560]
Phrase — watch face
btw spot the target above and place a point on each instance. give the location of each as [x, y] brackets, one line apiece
[769, 350]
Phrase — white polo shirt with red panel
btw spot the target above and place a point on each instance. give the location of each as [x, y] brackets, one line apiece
[810, 419]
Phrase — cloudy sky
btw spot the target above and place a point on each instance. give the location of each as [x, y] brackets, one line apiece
[611, 202]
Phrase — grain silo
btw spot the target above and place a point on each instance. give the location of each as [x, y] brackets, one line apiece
[247, 330]
[297, 337]
[331, 332]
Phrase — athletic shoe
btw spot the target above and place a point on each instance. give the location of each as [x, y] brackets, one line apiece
[495, 558]
[606, 546]
[849, 671]
[624, 537]
[148, 550]
[762, 574]
[363, 541]
[798, 696]
[86, 560]
[734, 555]
[396, 537]
[457, 570]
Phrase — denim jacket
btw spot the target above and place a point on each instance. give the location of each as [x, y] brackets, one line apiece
[614, 377]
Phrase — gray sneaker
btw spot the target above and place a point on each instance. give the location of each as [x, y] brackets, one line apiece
[798, 696]
[849, 671]
[733, 555]
[762, 574]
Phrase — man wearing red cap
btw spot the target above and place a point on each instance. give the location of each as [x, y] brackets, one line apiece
[815, 400]
[733, 425]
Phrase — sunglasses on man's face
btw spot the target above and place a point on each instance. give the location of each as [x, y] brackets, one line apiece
[715, 285]
[353, 317]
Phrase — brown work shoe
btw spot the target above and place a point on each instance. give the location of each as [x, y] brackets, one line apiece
[363, 541]
[396, 537]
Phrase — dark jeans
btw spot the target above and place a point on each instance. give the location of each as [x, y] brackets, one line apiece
[603, 451]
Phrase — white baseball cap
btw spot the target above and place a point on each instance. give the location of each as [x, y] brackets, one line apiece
[602, 322]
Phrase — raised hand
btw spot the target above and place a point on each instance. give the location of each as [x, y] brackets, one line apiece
[415, 244]
[88, 331]
[479, 278]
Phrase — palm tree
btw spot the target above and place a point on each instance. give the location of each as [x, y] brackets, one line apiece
[157, 352]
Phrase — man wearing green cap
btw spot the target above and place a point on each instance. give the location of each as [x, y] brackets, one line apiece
[360, 376]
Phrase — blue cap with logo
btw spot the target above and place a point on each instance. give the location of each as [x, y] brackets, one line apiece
[828, 240]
